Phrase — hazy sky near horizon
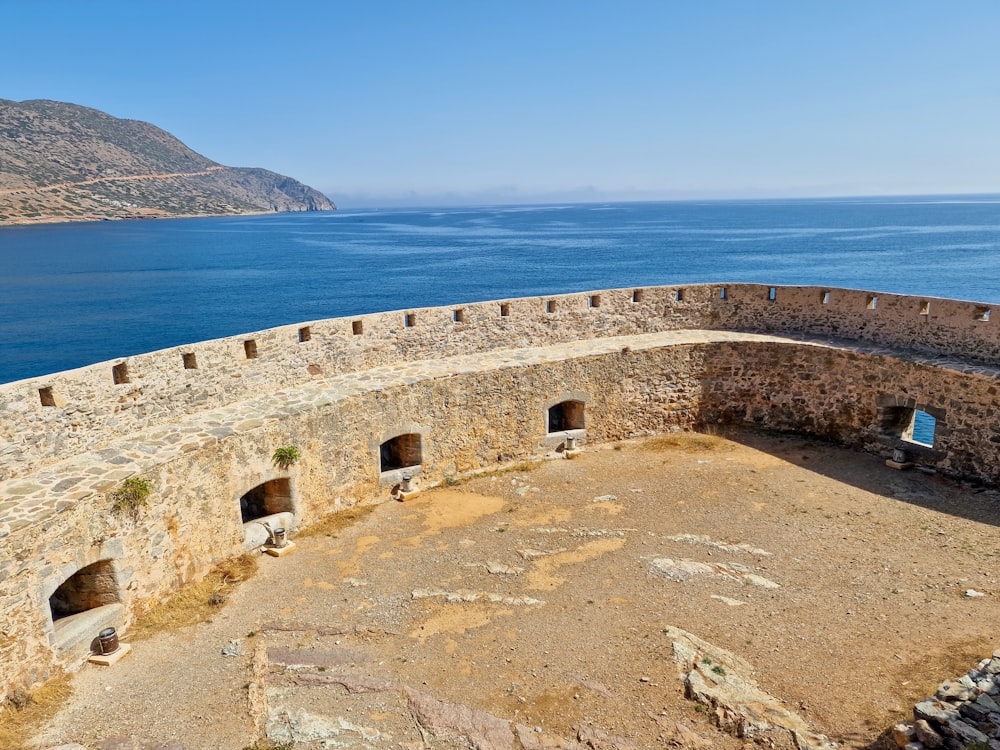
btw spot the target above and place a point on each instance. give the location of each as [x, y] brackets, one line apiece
[478, 101]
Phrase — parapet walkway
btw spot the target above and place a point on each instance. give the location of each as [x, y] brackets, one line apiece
[27, 501]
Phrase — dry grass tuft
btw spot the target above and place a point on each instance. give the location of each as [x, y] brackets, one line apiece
[331, 524]
[689, 442]
[196, 602]
[26, 712]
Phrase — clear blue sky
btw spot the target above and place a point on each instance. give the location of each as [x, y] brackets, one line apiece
[379, 101]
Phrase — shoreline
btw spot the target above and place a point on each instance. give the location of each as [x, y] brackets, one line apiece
[35, 221]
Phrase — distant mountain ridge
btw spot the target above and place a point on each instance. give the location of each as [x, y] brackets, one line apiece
[65, 162]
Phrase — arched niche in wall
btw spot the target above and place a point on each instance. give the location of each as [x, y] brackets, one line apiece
[270, 504]
[400, 450]
[81, 605]
[565, 415]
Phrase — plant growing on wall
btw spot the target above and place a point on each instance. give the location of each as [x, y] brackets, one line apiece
[131, 495]
[285, 456]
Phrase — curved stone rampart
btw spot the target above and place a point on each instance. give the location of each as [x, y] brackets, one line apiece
[463, 389]
[45, 419]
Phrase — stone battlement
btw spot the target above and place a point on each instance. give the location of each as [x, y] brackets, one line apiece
[46, 419]
[436, 393]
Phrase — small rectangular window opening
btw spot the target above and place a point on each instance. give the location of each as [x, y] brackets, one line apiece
[872, 302]
[595, 300]
[120, 373]
[925, 308]
[401, 452]
[47, 399]
[410, 320]
[772, 294]
[679, 295]
[567, 415]
[304, 334]
[550, 306]
[637, 295]
[458, 315]
[250, 348]
[723, 294]
[504, 310]
[920, 428]
[983, 314]
[357, 327]
[190, 361]
[826, 298]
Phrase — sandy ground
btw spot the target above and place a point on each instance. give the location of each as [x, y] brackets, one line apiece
[868, 616]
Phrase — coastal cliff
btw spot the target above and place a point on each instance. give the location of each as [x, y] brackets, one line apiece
[63, 162]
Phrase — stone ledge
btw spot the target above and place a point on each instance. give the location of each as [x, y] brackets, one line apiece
[74, 636]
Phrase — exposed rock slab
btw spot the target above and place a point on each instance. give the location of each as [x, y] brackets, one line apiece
[483, 731]
[683, 569]
[468, 597]
[719, 679]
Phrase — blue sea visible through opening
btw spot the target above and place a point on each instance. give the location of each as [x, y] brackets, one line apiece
[74, 294]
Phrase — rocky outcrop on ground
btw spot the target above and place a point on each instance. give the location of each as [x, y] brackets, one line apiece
[721, 680]
[64, 162]
[962, 713]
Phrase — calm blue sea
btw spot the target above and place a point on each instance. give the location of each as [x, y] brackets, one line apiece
[74, 294]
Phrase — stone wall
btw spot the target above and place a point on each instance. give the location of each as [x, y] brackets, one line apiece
[44, 419]
[835, 393]
[466, 422]
[474, 384]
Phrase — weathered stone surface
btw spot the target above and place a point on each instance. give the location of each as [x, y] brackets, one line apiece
[598, 739]
[468, 597]
[302, 658]
[719, 679]
[135, 743]
[706, 541]
[988, 703]
[903, 733]
[302, 726]
[481, 730]
[350, 683]
[927, 735]
[533, 740]
[681, 570]
[935, 711]
[954, 691]
[684, 736]
[963, 732]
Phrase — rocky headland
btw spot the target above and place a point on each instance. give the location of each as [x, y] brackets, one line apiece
[63, 162]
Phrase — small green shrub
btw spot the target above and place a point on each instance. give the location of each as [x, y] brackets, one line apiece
[285, 456]
[719, 669]
[131, 495]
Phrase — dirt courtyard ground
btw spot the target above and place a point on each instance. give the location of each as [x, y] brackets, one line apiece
[540, 597]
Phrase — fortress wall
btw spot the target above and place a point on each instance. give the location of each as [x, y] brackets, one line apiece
[836, 394]
[930, 324]
[467, 422]
[88, 410]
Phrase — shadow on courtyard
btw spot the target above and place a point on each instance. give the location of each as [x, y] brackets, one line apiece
[970, 500]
